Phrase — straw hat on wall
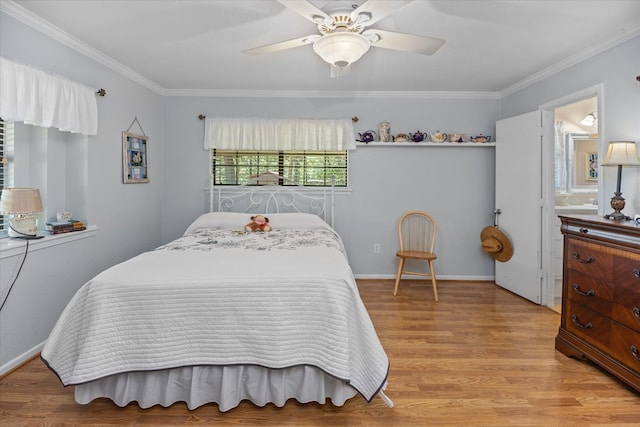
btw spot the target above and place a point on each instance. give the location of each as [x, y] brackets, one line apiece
[496, 243]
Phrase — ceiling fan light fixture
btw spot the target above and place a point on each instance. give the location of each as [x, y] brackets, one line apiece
[341, 49]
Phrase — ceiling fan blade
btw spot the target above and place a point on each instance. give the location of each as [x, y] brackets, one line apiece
[287, 44]
[372, 11]
[307, 11]
[404, 42]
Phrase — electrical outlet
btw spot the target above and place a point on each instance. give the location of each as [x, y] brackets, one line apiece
[376, 248]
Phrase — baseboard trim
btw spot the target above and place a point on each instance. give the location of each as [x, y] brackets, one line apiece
[444, 278]
[15, 363]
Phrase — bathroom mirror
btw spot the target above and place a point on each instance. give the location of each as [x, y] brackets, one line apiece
[581, 162]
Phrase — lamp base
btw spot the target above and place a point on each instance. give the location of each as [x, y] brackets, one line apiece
[617, 203]
[23, 227]
[618, 216]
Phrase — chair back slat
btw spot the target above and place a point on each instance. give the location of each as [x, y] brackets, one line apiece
[417, 232]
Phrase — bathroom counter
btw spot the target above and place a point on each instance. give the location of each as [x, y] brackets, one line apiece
[577, 209]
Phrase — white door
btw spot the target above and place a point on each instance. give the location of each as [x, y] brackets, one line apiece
[518, 197]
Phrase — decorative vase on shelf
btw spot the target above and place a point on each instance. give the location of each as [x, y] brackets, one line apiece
[384, 131]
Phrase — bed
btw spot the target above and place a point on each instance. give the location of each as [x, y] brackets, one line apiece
[220, 315]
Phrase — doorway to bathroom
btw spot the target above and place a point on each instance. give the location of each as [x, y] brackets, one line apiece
[571, 178]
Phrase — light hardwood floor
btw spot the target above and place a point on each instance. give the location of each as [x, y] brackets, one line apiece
[479, 357]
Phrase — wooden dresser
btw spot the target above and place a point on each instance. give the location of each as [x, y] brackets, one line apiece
[600, 318]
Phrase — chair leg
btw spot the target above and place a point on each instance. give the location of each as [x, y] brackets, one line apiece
[398, 276]
[433, 281]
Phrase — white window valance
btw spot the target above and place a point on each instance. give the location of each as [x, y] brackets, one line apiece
[32, 96]
[279, 134]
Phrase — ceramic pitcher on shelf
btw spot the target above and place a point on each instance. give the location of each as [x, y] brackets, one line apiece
[384, 131]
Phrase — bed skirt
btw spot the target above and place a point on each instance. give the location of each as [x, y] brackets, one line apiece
[226, 386]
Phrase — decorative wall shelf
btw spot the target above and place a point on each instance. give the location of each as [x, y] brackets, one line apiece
[427, 144]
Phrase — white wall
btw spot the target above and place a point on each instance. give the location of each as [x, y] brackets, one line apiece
[619, 119]
[128, 215]
[454, 184]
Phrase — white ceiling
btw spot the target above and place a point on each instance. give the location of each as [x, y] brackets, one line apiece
[195, 45]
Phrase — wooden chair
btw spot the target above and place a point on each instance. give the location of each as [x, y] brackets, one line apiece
[417, 237]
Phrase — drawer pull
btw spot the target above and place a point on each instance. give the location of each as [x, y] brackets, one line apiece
[575, 320]
[589, 260]
[636, 273]
[634, 352]
[636, 312]
[589, 293]
[584, 230]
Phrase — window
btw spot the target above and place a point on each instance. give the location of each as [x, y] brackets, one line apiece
[6, 175]
[53, 161]
[306, 168]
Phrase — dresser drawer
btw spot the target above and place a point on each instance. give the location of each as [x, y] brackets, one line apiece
[625, 346]
[628, 315]
[588, 325]
[626, 294]
[589, 291]
[589, 258]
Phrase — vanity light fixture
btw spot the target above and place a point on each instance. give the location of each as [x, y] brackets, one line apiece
[620, 153]
[21, 203]
[589, 120]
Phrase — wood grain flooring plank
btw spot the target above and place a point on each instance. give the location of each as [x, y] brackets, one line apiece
[481, 356]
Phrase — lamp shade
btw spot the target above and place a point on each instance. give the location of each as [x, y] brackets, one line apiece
[621, 153]
[341, 49]
[20, 201]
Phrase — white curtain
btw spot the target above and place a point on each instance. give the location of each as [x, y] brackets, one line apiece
[560, 158]
[278, 134]
[32, 96]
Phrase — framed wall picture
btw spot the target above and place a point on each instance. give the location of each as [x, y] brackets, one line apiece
[592, 166]
[135, 158]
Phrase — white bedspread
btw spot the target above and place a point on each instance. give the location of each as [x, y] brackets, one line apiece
[221, 297]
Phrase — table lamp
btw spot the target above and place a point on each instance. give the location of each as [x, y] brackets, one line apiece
[620, 153]
[21, 203]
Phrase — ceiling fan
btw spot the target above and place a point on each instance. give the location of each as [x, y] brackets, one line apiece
[344, 36]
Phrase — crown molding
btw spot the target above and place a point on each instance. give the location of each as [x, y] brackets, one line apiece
[332, 94]
[11, 8]
[578, 57]
[18, 12]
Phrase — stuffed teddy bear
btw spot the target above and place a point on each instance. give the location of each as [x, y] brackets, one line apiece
[258, 223]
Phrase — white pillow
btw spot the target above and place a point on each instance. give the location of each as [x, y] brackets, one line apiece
[295, 220]
[232, 220]
[237, 221]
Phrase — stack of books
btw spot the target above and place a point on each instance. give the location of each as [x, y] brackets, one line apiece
[65, 226]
